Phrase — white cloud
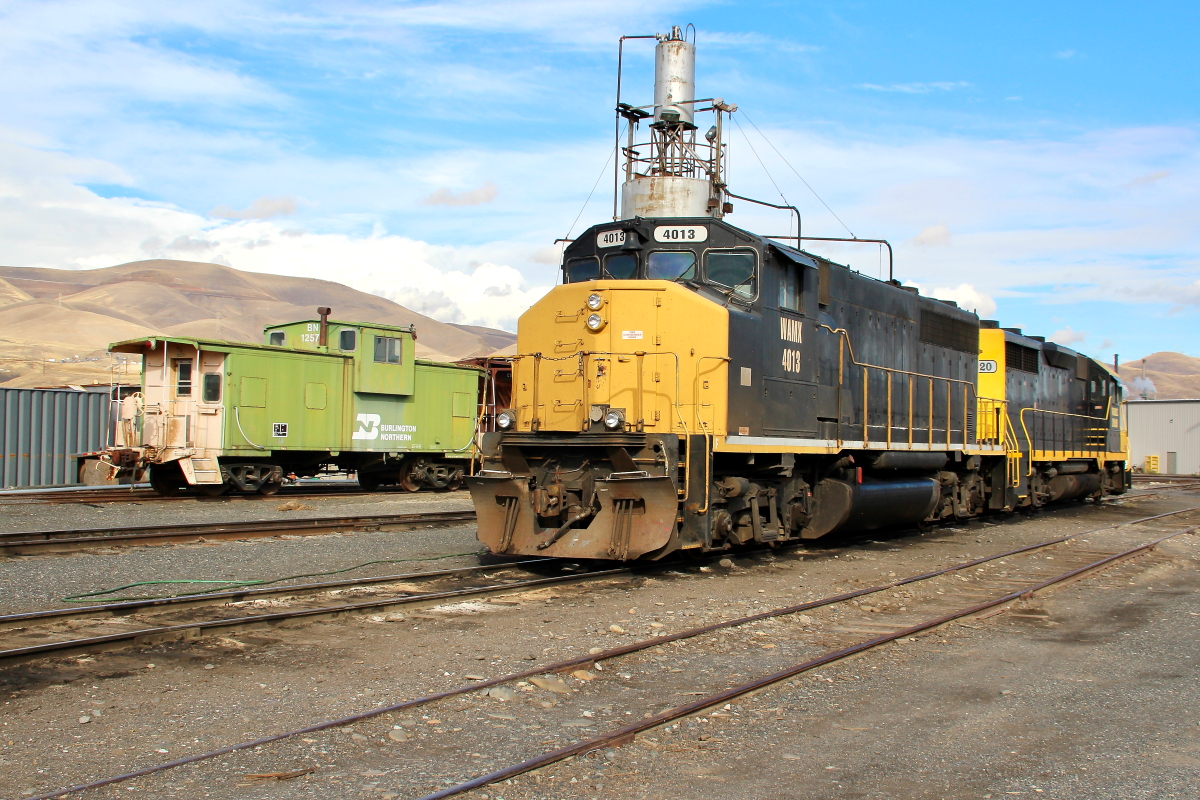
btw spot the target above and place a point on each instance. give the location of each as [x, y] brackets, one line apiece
[48, 221]
[262, 208]
[1064, 54]
[444, 197]
[916, 88]
[1067, 337]
[968, 297]
[932, 235]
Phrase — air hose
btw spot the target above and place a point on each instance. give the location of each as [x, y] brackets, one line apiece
[100, 595]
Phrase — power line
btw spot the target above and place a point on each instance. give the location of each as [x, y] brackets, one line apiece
[798, 175]
[603, 170]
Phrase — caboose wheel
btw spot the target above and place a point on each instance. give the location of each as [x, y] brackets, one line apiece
[369, 481]
[270, 488]
[213, 489]
[166, 479]
[410, 476]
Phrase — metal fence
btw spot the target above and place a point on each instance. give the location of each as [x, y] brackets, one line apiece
[41, 430]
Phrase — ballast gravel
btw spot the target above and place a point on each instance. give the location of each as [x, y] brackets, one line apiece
[1098, 674]
[33, 583]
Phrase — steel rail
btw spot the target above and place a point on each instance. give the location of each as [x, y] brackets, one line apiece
[192, 630]
[626, 733]
[20, 543]
[124, 607]
[572, 663]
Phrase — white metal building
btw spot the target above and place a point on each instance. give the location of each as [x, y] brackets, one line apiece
[1168, 430]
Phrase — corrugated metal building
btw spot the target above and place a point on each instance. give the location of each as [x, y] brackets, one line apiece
[42, 429]
[1168, 430]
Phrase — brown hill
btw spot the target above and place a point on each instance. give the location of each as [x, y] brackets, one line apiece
[55, 325]
[1168, 376]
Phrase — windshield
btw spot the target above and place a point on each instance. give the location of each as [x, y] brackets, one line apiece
[671, 266]
[732, 269]
[582, 269]
[622, 266]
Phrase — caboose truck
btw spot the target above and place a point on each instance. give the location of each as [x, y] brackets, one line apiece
[692, 385]
[221, 415]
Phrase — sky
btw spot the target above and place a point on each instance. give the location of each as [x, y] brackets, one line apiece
[1035, 161]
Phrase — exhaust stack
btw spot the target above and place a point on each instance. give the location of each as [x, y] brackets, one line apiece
[673, 174]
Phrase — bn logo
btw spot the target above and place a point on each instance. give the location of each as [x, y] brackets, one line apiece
[368, 427]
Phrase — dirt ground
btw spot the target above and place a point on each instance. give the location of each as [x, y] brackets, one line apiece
[1086, 691]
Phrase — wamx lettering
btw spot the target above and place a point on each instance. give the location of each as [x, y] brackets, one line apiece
[790, 330]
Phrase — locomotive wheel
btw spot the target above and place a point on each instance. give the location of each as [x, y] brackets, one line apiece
[213, 489]
[268, 489]
[166, 479]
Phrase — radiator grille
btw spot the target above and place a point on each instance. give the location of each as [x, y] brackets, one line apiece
[946, 331]
[1018, 356]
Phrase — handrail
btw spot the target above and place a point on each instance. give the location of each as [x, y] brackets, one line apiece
[1083, 451]
[969, 392]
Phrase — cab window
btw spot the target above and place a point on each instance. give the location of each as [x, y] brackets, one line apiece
[789, 286]
[621, 266]
[733, 269]
[670, 266]
[210, 389]
[347, 339]
[276, 339]
[582, 269]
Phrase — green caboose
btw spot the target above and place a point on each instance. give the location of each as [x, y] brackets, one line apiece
[221, 415]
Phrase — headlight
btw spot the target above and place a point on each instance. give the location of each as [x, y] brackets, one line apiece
[506, 419]
[595, 322]
[614, 419]
[595, 301]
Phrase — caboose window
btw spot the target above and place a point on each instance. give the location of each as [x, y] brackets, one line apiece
[789, 286]
[387, 350]
[666, 266]
[183, 377]
[276, 339]
[210, 388]
[621, 266]
[583, 269]
[347, 339]
[732, 269]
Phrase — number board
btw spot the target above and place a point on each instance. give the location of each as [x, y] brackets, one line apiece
[987, 366]
[610, 238]
[681, 233]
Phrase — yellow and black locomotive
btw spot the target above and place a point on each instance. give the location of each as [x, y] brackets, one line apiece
[691, 385]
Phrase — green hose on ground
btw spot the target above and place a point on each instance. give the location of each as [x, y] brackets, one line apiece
[232, 584]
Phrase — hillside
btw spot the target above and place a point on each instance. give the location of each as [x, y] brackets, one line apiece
[70, 316]
[1173, 375]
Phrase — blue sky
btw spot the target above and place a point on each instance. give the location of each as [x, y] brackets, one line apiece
[1035, 161]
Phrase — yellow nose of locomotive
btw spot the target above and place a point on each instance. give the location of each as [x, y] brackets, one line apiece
[612, 383]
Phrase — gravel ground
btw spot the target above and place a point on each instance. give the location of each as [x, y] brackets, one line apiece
[1091, 676]
[31, 583]
[22, 516]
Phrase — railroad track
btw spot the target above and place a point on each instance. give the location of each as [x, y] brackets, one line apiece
[144, 495]
[236, 609]
[798, 643]
[63, 541]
